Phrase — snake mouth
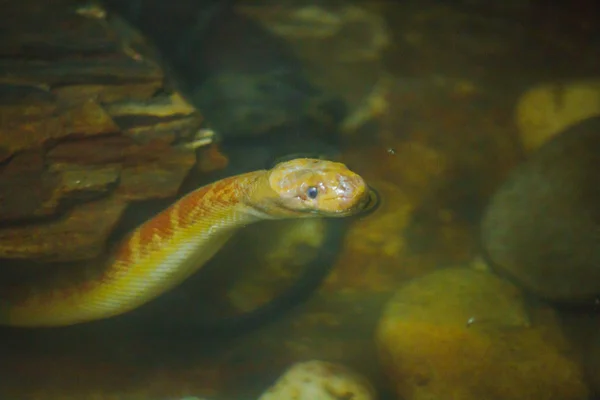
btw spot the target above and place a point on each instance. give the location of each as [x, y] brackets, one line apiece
[371, 203]
[367, 206]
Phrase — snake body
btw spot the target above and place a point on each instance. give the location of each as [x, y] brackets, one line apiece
[165, 250]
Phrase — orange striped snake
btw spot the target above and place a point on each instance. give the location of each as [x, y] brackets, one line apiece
[164, 251]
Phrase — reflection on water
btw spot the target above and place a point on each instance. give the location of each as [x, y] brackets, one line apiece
[434, 104]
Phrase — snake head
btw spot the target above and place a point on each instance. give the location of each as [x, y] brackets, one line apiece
[320, 187]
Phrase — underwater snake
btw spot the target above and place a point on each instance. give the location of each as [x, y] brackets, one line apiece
[167, 249]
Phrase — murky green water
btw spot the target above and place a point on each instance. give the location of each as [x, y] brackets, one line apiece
[433, 104]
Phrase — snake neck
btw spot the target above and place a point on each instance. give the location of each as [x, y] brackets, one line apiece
[254, 200]
[151, 260]
[188, 233]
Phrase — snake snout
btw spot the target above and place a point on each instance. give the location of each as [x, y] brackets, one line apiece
[351, 190]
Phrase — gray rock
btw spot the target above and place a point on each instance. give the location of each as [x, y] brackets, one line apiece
[542, 226]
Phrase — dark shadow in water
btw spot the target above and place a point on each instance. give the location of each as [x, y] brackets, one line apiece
[173, 322]
[243, 79]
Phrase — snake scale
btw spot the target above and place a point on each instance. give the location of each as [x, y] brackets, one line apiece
[167, 249]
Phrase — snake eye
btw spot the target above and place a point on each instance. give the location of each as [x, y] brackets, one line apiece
[312, 192]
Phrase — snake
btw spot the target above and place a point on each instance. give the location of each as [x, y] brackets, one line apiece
[167, 249]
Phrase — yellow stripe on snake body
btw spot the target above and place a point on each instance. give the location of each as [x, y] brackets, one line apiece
[168, 248]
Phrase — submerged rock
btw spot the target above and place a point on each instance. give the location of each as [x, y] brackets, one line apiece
[88, 124]
[321, 380]
[245, 80]
[342, 48]
[544, 111]
[542, 226]
[465, 335]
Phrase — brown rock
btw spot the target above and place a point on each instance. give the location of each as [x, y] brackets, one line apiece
[166, 117]
[541, 226]
[79, 235]
[57, 30]
[161, 173]
[152, 170]
[160, 106]
[154, 181]
[94, 151]
[22, 100]
[85, 113]
[106, 93]
[110, 68]
[29, 190]
[26, 126]
[168, 129]
[82, 183]
[58, 67]
[466, 333]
